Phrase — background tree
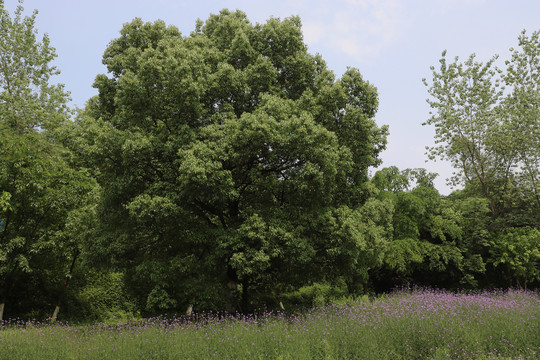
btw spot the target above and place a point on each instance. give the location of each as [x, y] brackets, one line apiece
[226, 157]
[38, 186]
[517, 251]
[426, 233]
[43, 189]
[491, 137]
[474, 242]
[28, 100]
[522, 120]
[468, 128]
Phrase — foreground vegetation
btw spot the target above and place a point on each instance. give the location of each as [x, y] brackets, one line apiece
[404, 325]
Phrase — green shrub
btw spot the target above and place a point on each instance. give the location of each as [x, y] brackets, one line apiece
[318, 294]
[104, 298]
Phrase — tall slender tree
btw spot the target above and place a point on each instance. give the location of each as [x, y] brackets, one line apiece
[522, 113]
[38, 187]
[491, 134]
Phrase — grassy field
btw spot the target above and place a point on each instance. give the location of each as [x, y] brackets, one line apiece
[406, 325]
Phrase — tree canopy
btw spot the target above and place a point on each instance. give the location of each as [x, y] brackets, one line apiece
[486, 121]
[230, 156]
[38, 187]
[487, 124]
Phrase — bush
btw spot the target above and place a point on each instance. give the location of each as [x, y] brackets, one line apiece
[318, 294]
[102, 298]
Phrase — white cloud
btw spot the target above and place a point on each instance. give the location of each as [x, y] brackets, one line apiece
[446, 5]
[313, 31]
[359, 28]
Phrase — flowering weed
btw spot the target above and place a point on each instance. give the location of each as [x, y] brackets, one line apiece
[406, 325]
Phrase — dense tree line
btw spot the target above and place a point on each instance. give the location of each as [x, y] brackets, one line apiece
[229, 169]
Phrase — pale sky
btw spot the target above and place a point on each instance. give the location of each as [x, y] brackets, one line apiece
[392, 42]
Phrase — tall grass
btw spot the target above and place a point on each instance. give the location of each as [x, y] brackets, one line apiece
[405, 325]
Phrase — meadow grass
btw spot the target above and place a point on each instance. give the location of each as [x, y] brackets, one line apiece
[405, 325]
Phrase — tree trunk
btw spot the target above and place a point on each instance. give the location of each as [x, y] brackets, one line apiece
[232, 284]
[6, 295]
[509, 274]
[66, 282]
[278, 298]
[55, 313]
[233, 291]
[244, 305]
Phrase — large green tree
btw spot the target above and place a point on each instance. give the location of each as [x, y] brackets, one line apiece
[233, 163]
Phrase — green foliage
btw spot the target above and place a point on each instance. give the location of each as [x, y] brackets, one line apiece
[475, 226]
[102, 298]
[316, 295]
[466, 124]
[27, 99]
[40, 190]
[393, 180]
[44, 196]
[518, 250]
[521, 115]
[402, 253]
[230, 157]
[425, 243]
[490, 134]
[4, 201]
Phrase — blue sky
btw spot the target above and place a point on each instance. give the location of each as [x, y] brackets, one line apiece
[392, 42]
